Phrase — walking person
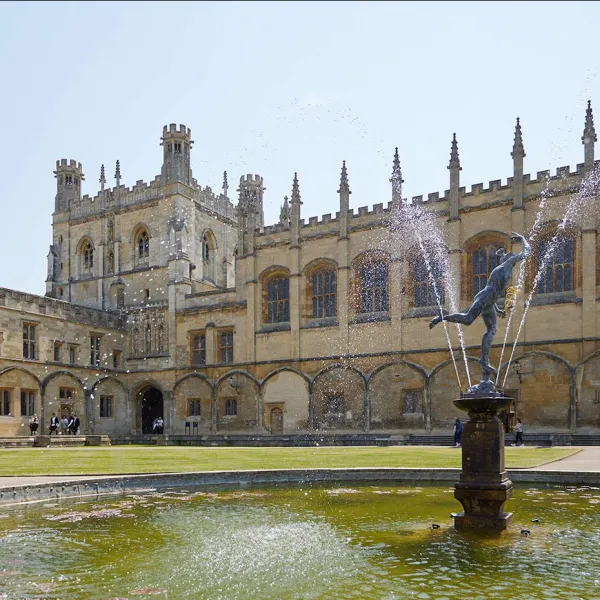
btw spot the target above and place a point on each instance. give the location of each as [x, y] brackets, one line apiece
[54, 424]
[64, 425]
[76, 425]
[160, 425]
[458, 428]
[519, 433]
[71, 425]
[33, 425]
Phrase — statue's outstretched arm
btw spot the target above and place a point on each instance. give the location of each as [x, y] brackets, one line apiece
[526, 247]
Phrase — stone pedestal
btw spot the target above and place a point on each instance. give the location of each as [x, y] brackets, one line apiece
[484, 485]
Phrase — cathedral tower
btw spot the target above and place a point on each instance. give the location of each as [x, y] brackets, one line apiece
[68, 183]
[177, 144]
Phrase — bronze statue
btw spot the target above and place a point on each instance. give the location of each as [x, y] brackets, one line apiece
[484, 304]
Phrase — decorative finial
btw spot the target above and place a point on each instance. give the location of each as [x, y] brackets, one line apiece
[225, 184]
[284, 214]
[344, 185]
[102, 177]
[296, 190]
[589, 133]
[454, 160]
[518, 148]
[118, 173]
[396, 179]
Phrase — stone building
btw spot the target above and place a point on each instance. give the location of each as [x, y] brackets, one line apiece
[167, 299]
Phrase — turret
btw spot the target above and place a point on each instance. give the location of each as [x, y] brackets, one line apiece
[251, 195]
[396, 180]
[177, 144]
[344, 192]
[295, 213]
[588, 138]
[68, 183]
[455, 169]
[518, 154]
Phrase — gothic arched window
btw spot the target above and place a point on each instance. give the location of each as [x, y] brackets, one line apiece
[324, 293]
[278, 299]
[485, 260]
[557, 261]
[423, 283]
[87, 257]
[143, 245]
[373, 282]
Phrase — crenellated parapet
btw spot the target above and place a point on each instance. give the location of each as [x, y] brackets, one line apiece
[59, 309]
[565, 180]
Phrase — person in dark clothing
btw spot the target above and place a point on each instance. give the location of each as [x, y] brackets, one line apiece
[54, 424]
[458, 428]
[71, 425]
[76, 425]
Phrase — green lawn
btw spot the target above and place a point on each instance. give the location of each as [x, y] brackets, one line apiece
[151, 459]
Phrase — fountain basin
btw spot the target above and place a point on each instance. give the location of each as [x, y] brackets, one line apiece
[475, 405]
[297, 541]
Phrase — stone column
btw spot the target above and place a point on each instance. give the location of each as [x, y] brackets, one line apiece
[211, 344]
[213, 411]
[484, 486]
[395, 300]
[343, 290]
[169, 412]
[253, 318]
[588, 259]
[295, 303]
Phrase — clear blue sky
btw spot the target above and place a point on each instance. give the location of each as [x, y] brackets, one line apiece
[278, 87]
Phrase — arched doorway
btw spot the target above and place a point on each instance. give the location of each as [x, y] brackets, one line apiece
[277, 420]
[152, 408]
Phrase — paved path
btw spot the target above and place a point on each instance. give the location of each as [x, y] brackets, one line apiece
[587, 460]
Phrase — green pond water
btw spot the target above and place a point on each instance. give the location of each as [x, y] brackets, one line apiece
[299, 543]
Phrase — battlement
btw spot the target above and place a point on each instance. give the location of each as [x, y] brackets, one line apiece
[251, 180]
[68, 165]
[43, 305]
[565, 181]
[173, 131]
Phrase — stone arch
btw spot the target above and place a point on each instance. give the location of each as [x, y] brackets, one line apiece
[287, 390]
[135, 232]
[109, 377]
[373, 265]
[50, 377]
[193, 398]
[397, 396]
[543, 389]
[25, 371]
[319, 289]
[109, 401]
[148, 398]
[338, 395]
[65, 394]
[478, 252]
[277, 371]
[23, 388]
[444, 389]
[237, 401]
[587, 378]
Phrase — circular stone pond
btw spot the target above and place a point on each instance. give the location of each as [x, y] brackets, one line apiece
[297, 542]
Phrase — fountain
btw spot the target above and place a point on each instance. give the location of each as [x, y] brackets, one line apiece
[484, 486]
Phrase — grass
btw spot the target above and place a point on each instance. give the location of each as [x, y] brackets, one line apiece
[117, 460]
